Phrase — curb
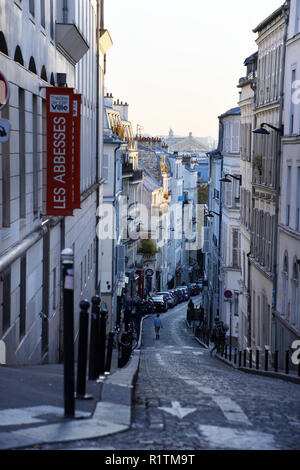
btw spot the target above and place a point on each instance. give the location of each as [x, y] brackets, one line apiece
[263, 373]
[117, 395]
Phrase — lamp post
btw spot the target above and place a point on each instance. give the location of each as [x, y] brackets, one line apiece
[226, 179]
[67, 261]
[262, 131]
[211, 214]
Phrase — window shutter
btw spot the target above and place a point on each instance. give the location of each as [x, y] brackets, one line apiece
[105, 167]
[236, 252]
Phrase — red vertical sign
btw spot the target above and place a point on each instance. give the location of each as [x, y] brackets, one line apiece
[63, 151]
[76, 130]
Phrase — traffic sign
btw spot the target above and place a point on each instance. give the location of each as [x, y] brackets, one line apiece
[228, 294]
[149, 272]
[4, 91]
[4, 130]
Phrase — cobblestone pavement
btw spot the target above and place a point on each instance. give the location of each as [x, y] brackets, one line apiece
[187, 400]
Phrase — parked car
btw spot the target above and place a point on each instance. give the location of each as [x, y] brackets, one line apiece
[194, 289]
[175, 296]
[185, 291]
[179, 294]
[200, 283]
[169, 298]
[145, 307]
[160, 304]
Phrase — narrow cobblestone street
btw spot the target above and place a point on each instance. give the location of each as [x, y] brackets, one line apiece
[187, 400]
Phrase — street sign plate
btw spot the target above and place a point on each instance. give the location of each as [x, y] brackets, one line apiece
[228, 294]
[4, 130]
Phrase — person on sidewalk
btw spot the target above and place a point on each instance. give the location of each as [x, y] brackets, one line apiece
[190, 314]
[157, 325]
[218, 336]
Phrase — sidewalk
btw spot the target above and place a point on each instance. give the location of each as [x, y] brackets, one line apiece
[291, 377]
[32, 405]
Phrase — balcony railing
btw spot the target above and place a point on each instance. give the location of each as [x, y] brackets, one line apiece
[127, 170]
[137, 176]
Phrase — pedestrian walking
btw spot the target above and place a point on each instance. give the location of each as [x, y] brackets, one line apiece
[218, 336]
[190, 314]
[157, 325]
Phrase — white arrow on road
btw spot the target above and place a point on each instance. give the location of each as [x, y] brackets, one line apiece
[177, 410]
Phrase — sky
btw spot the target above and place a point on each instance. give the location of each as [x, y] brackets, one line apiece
[178, 63]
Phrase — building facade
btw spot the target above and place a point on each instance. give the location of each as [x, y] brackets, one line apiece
[246, 104]
[287, 316]
[266, 153]
[31, 324]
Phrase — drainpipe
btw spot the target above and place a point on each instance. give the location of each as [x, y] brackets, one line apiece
[113, 240]
[99, 20]
[21, 248]
[285, 11]
[65, 11]
[220, 149]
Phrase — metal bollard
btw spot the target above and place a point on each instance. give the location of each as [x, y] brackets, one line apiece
[250, 359]
[299, 369]
[235, 355]
[257, 359]
[94, 338]
[102, 344]
[67, 258]
[226, 351]
[82, 351]
[109, 352]
[276, 361]
[287, 362]
[245, 357]
[230, 353]
[266, 360]
[240, 358]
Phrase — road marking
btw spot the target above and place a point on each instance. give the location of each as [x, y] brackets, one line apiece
[177, 410]
[230, 438]
[231, 410]
[31, 415]
[159, 359]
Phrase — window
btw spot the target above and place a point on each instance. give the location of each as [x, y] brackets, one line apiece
[295, 296]
[51, 20]
[297, 225]
[292, 108]
[105, 168]
[22, 297]
[228, 195]
[43, 21]
[31, 7]
[3, 44]
[288, 195]
[236, 248]
[6, 299]
[284, 293]
[54, 304]
[6, 215]
[22, 166]
[297, 18]
[35, 159]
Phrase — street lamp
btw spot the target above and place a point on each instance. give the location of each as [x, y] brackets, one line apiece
[227, 180]
[211, 214]
[261, 130]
